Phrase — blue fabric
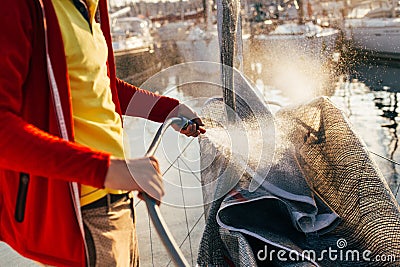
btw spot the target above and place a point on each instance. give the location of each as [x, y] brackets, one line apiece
[82, 8]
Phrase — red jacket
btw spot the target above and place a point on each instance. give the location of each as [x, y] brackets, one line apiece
[29, 135]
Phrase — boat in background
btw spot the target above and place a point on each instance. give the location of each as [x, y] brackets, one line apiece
[172, 31]
[131, 34]
[199, 45]
[195, 39]
[134, 47]
[374, 27]
[297, 40]
[287, 29]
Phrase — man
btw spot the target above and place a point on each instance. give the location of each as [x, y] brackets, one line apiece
[61, 136]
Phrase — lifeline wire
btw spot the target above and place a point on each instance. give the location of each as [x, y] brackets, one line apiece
[390, 160]
[172, 164]
[187, 223]
[184, 208]
[187, 236]
[383, 157]
[151, 242]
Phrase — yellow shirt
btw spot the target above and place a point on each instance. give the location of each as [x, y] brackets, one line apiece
[96, 123]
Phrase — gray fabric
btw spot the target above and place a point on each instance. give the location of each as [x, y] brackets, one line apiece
[239, 248]
[321, 187]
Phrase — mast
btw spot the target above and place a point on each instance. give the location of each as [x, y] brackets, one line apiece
[182, 13]
[229, 33]
[301, 11]
[345, 9]
[207, 9]
[394, 8]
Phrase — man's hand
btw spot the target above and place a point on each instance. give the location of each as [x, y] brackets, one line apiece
[194, 129]
[139, 174]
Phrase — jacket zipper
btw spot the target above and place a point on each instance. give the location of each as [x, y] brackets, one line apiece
[21, 197]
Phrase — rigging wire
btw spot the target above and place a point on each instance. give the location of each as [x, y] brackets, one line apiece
[187, 236]
[390, 160]
[180, 154]
[383, 157]
[172, 164]
[191, 171]
[151, 242]
[184, 208]
[184, 205]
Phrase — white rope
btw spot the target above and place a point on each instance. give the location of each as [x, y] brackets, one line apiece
[61, 124]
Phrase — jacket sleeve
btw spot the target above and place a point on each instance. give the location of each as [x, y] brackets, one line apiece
[24, 147]
[142, 103]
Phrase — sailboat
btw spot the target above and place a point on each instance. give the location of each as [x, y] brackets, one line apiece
[374, 27]
[291, 34]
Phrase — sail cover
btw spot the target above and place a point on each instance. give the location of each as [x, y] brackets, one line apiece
[319, 200]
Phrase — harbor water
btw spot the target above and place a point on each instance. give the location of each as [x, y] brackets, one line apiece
[368, 94]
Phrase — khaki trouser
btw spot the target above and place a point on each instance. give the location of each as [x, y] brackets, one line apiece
[110, 233]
